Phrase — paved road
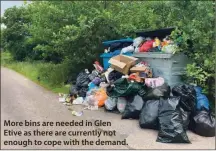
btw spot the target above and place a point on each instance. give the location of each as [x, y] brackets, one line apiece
[23, 100]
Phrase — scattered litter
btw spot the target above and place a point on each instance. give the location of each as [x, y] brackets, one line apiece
[67, 104]
[78, 100]
[77, 113]
[61, 99]
[91, 108]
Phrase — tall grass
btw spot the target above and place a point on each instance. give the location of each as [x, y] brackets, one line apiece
[48, 75]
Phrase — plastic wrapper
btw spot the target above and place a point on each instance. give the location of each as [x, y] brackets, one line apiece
[111, 103]
[121, 104]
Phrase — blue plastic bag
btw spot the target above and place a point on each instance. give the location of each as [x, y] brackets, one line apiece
[202, 100]
[92, 86]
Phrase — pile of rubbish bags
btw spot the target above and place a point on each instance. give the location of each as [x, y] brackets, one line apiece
[129, 88]
[141, 44]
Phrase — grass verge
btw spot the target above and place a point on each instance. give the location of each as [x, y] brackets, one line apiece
[32, 71]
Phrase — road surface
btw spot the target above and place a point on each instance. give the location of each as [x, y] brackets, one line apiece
[22, 99]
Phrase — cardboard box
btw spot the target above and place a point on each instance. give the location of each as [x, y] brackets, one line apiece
[138, 69]
[122, 63]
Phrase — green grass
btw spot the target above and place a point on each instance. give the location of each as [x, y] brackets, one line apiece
[32, 71]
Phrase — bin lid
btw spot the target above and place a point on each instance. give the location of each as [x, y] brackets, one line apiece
[160, 33]
[128, 40]
[106, 55]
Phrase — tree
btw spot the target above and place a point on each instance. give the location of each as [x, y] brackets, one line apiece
[15, 32]
[70, 33]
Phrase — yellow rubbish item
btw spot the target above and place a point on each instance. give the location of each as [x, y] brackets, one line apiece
[156, 42]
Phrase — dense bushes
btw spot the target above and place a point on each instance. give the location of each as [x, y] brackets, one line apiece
[69, 33]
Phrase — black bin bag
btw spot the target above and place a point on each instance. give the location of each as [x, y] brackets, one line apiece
[187, 94]
[73, 90]
[203, 123]
[157, 93]
[82, 79]
[133, 107]
[171, 128]
[82, 91]
[185, 118]
[149, 115]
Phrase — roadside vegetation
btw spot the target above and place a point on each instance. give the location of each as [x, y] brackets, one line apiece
[52, 41]
[32, 70]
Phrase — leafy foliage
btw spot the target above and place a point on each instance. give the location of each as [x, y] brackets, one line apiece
[69, 33]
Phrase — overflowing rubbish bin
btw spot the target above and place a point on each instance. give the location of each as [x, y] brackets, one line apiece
[169, 66]
[147, 86]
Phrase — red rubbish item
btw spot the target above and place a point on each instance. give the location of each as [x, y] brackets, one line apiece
[97, 63]
[97, 66]
[135, 77]
[146, 46]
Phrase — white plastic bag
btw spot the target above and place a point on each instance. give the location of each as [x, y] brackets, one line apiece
[78, 100]
[91, 101]
[137, 41]
[127, 49]
[111, 103]
[121, 104]
[136, 50]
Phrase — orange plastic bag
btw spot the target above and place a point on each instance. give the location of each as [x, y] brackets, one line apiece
[101, 97]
